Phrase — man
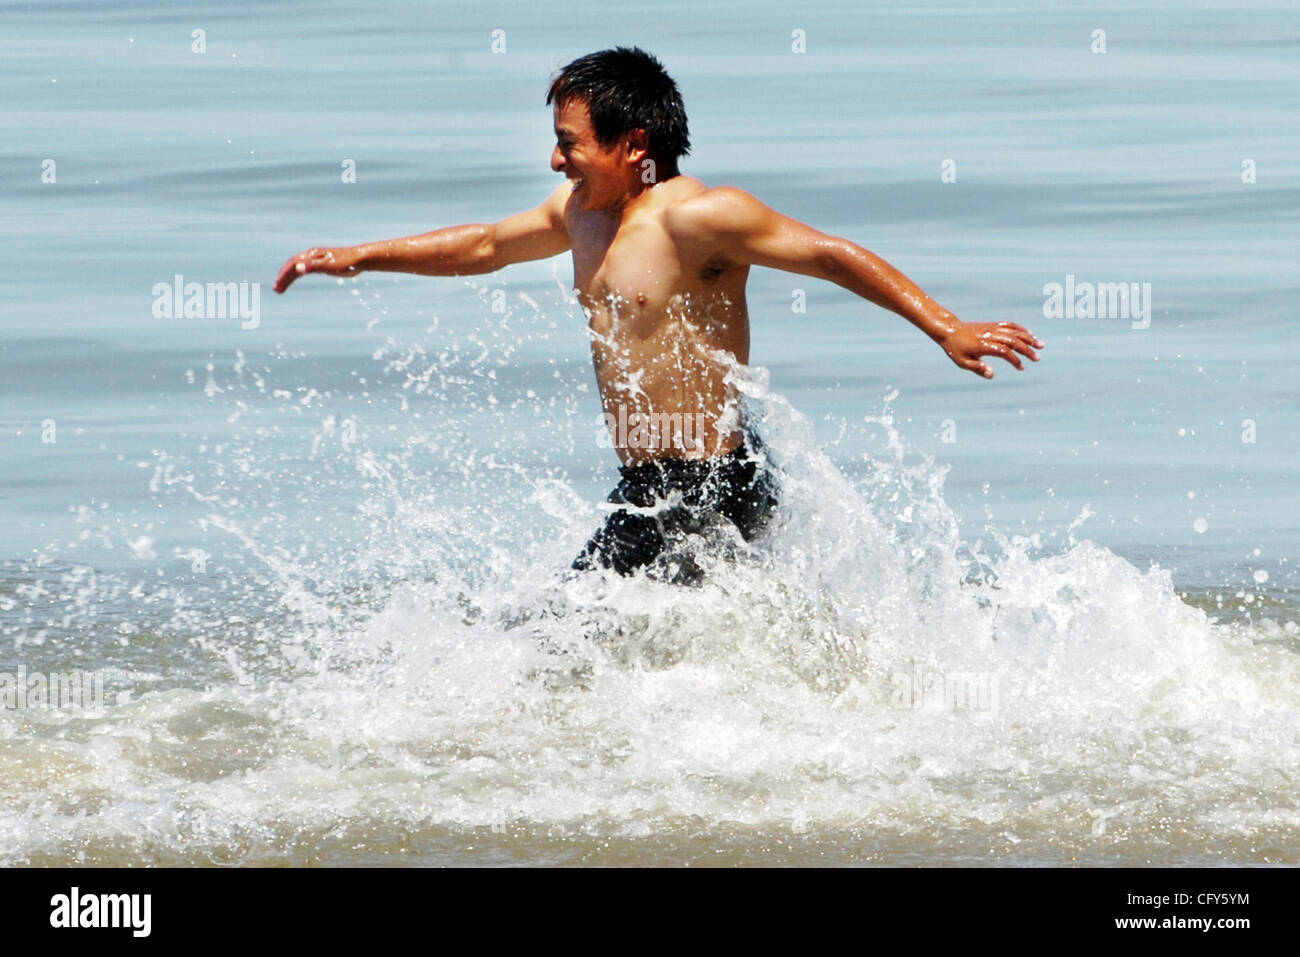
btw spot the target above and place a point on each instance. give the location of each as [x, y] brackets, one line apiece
[660, 263]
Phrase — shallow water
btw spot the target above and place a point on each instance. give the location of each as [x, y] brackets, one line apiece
[317, 564]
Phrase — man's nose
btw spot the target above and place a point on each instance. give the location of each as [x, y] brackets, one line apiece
[557, 160]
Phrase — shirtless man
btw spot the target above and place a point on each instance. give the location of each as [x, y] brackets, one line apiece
[660, 263]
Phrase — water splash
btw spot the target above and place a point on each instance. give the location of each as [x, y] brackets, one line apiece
[415, 674]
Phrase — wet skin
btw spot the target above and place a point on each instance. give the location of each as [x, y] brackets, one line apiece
[660, 263]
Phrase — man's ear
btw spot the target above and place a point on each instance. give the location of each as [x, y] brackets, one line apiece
[638, 144]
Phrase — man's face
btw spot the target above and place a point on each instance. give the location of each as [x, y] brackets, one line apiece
[599, 175]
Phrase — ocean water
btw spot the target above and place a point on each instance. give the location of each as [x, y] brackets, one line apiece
[316, 563]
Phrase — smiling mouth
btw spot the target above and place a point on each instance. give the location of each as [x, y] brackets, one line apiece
[577, 182]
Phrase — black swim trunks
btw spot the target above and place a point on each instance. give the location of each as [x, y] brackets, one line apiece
[687, 498]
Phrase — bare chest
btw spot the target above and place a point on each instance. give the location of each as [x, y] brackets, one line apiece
[625, 272]
[634, 282]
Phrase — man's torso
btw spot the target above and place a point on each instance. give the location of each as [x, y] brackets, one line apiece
[667, 319]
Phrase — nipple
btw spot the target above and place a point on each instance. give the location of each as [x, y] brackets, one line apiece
[640, 298]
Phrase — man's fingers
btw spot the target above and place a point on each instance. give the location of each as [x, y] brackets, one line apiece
[1017, 329]
[1025, 350]
[288, 273]
[1020, 330]
[1027, 337]
[298, 265]
[1020, 345]
[998, 348]
[1008, 340]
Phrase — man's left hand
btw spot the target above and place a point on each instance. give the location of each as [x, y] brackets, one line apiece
[970, 340]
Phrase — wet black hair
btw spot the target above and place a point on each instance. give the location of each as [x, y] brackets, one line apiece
[626, 88]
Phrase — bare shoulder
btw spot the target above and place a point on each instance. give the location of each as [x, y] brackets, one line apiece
[712, 210]
[556, 205]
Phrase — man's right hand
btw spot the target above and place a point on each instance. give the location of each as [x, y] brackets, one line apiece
[331, 260]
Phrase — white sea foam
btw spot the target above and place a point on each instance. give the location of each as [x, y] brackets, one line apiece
[867, 676]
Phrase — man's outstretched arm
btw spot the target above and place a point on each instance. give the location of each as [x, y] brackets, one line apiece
[537, 233]
[744, 231]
